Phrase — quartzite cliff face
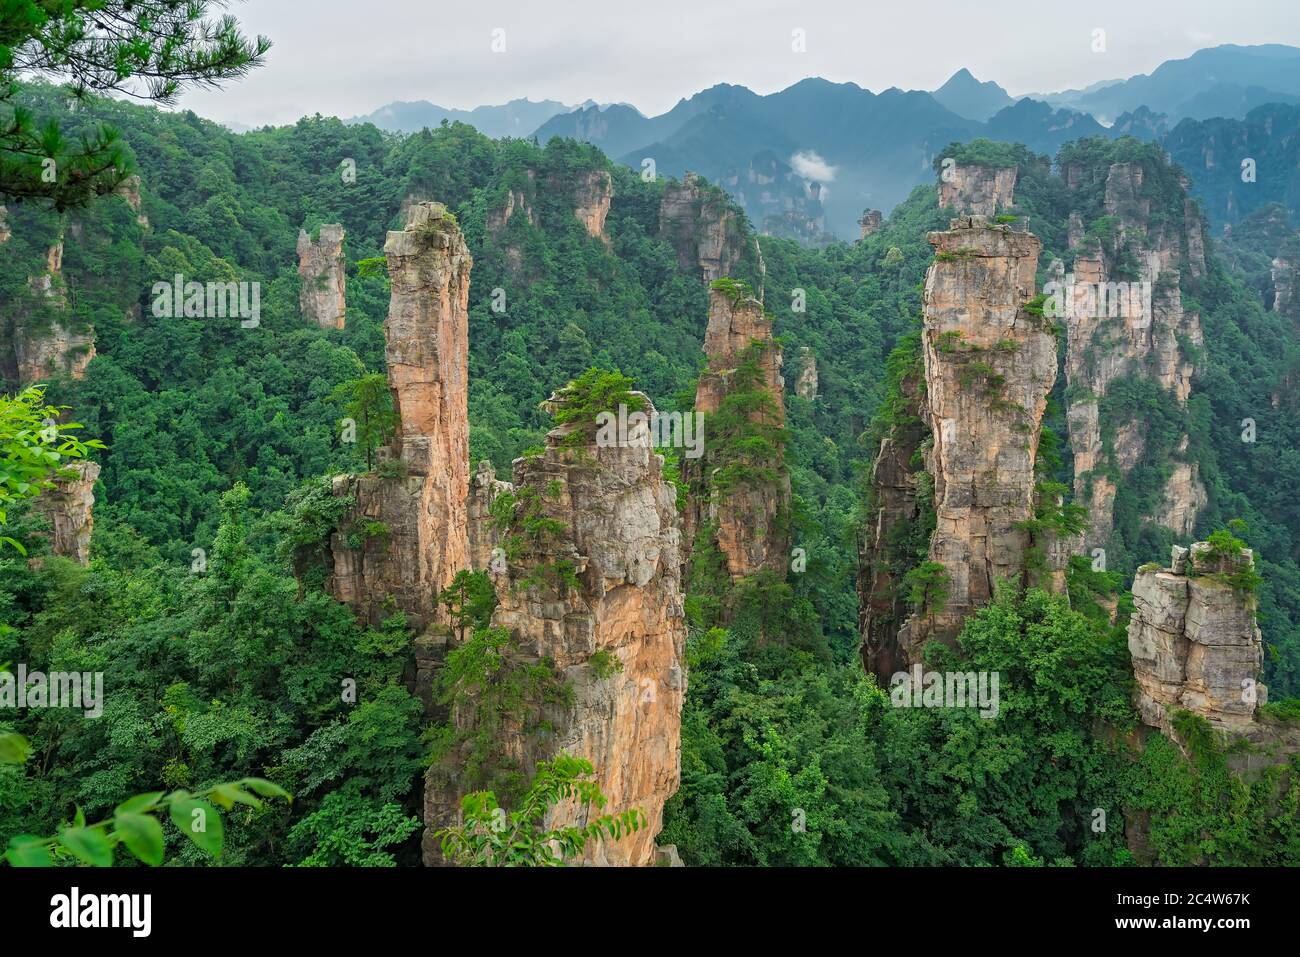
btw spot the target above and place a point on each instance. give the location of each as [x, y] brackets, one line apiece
[699, 223]
[977, 190]
[1121, 305]
[592, 194]
[900, 512]
[323, 299]
[747, 517]
[419, 495]
[805, 386]
[989, 365]
[46, 342]
[1194, 641]
[616, 636]
[45, 328]
[69, 507]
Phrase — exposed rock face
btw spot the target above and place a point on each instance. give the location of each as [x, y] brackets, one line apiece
[484, 536]
[44, 343]
[977, 190]
[622, 540]
[869, 223]
[420, 495]
[1283, 274]
[749, 519]
[806, 385]
[56, 350]
[516, 201]
[1184, 497]
[701, 228]
[989, 366]
[129, 190]
[896, 523]
[5, 230]
[69, 507]
[323, 299]
[1123, 314]
[592, 196]
[1194, 641]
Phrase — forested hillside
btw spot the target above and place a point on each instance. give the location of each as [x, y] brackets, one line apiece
[224, 650]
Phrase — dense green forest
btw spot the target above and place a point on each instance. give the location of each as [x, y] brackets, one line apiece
[221, 440]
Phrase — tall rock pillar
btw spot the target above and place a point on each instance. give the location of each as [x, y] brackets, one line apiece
[593, 594]
[740, 490]
[989, 365]
[323, 298]
[407, 537]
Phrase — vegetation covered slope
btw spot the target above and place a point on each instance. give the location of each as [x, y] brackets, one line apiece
[220, 437]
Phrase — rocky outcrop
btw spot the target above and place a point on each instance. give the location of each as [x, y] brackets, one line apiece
[69, 508]
[869, 223]
[598, 596]
[741, 495]
[321, 267]
[702, 228]
[592, 195]
[55, 350]
[129, 190]
[1183, 498]
[989, 365]
[1283, 275]
[5, 230]
[590, 191]
[1194, 642]
[977, 190]
[406, 536]
[45, 341]
[899, 516]
[805, 385]
[516, 201]
[484, 534]
[1122, 310]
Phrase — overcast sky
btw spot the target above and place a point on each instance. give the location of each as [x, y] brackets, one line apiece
[347, 57]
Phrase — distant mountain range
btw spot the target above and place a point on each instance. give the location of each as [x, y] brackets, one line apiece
[1226, 81]
[516, 118]
[809, 159]
[968, 97]
[806, 161]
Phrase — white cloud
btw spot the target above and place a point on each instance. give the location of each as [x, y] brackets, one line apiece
[811, 166]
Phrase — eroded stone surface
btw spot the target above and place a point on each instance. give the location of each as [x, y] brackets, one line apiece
[419, 494]
[1194, 642]
[702, 228]
[1131, 326]
[978, 190]
[989, 366]
[622, 539]
[321, 267]
[749, 521]
[805, 385]
[69, 507]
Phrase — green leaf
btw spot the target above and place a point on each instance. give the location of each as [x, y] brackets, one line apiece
[141, 802]
[265, 788]
[204, 829]
[28, 850]
[228, 795]
[88, 845]
[13, 748]
[142, 835]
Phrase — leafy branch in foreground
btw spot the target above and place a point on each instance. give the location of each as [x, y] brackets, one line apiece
[151, 49]
[135, 823]
[493, 837]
